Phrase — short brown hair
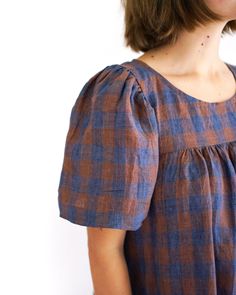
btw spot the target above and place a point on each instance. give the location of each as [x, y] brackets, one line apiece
[154, 23]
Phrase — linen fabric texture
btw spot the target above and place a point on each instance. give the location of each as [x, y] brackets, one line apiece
[111, 153]
[144, 156]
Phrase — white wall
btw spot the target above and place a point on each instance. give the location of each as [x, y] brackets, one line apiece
[48, 51]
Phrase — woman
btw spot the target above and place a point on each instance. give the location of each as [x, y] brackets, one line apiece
[150, 156]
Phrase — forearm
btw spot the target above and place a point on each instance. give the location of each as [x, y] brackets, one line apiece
[109, 272]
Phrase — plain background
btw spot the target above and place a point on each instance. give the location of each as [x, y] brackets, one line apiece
[49, 49]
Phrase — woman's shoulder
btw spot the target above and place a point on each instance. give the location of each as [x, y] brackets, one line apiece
[113, 84]
[131, 69]
[117, 83]
[112, 76]
[115, 79]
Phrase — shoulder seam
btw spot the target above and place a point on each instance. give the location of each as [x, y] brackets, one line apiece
[128, 69]
[146, 99]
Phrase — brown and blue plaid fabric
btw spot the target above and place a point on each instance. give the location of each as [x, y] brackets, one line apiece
[144, 156]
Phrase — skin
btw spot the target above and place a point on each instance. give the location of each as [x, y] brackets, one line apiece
[193, 64]
[107, 262]
[227, 8]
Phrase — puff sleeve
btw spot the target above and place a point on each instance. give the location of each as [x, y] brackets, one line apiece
[111, 153]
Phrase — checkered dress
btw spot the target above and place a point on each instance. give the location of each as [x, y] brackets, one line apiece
[144, 156]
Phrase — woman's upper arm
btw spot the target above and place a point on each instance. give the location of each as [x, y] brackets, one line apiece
[105, 238]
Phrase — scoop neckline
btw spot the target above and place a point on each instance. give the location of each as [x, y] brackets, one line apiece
[184, 94]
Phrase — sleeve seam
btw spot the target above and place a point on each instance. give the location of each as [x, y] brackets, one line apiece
[141, 89]
[128, 69]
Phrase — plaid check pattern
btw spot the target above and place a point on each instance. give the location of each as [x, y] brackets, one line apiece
[142, 155]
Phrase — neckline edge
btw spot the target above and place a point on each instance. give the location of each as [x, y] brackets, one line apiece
[184, 94]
